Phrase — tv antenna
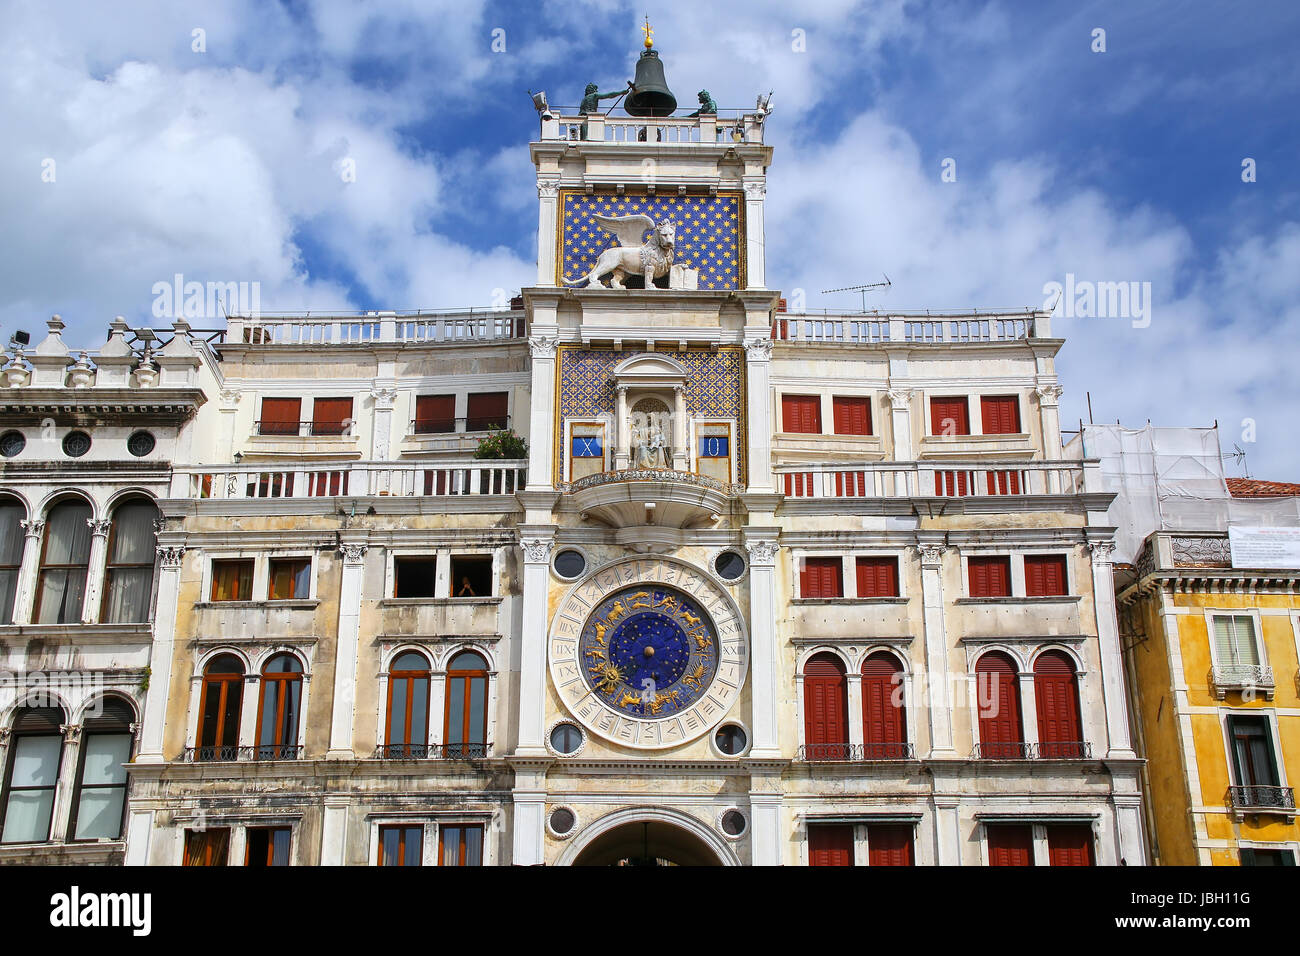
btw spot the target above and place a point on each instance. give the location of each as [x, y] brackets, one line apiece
[862, 288]
[1238, 454]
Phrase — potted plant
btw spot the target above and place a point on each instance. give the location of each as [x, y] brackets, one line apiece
[501, 444]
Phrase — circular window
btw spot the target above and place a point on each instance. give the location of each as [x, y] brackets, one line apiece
[12, 443]
[570, 563]
[76, 444]
[731, 739]
[733, 823]
[729, 565]
[140, 443]
[562, 820]
[566, 739]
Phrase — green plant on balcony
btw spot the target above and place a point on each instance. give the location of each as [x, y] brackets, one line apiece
[502, 444]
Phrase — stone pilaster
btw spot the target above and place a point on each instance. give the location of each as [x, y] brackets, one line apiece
[353, 554]
[536, 543]
[1119, 741]
[26, 596]
[937, 701]
[162, 653]
[758, 367]
[765, 693]
[99, 528]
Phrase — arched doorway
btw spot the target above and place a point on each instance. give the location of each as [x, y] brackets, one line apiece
[648, 838]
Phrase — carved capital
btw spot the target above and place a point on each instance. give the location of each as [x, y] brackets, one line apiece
[170, 555]
[33, 527]
[899, 397]
[543, 346]
[758, 350]
[352, 553]
[384, 397]
[537, 550]
[1102, 551]
[547, 188]
[230, 398]
[1049, 396]
[99, 526]
[762, 553]
[71, 733]
[755, 190]
[931, 554]
[4, 735]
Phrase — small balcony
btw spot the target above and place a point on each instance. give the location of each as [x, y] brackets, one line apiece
[300, 429]
[432, 751]
[1049, 750]
[232, 753]
[352, 479]
[931, 479]
[879, 328]
[844, 753]
[1242, 678]
[664, 497]
[1254, 799]
[449, 426]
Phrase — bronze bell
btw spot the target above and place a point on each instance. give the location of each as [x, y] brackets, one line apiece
[650, 95]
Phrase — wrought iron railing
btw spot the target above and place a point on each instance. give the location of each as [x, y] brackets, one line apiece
[1242, 676]
[837, 753]
[1043, 750]
[432, 751]
[445, 426]
[1003, 751]
[1262, 798]
[265, 427]
[231, 752]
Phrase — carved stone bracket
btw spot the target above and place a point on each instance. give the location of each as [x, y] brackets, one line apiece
[537, 550]
[543, 346]
[169, 556]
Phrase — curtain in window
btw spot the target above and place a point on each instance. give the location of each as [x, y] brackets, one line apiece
[129, 584]
[30, 802]
[11, 555]
[1234, 640]
[103, 786]
[462, 846]
[207, 848]
[66, 560]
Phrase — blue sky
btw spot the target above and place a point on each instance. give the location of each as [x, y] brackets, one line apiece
[223, 164]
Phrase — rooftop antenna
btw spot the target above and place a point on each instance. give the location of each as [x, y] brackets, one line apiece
[861, 288]
[1238, 454]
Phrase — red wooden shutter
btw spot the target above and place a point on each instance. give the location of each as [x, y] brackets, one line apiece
[852, 416]
[884, 722]
[998, 694]
[953, 410]
[1003, 482]
[329, 415]
[877, 577]
[1070, 844]
[1010, 845]
[801, 413]
[1056, 692]
[1000, 414]
[851, 484]
[1045, 574]
[825, 697]
[484, 410]
[799, 484]
[830, 844]
[889, 844]
[950, 483]
[435, 413]
[280, 416]
[989, 577]
[822, 578]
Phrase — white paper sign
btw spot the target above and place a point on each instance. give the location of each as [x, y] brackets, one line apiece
[1271, 548]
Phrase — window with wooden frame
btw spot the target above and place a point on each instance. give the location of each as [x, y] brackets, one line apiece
[949, 416]
[821, 578]
[1069, 844]
[830, 844]
[232, 579]
[12, 538]
[128, 577]
[998, 692]
[99, 802]
[465, 723]
[471, 576]
[890, 844]
[877, 577]
[1263, 856]
[406, 729]
[801, 414]
[401, 845]
[1010, 844]
[280, 416]
[331, 416]
[989, 576]
[586, 449]
[32, 775]
[290, 579]
[267, 846]
[414, 576]
[1000, 414]
[852, 415]
[485, 410]
[65, 563]
[461, 844]
[209, 847]
[1046, 575]
[1254, 762]
[434, 414]
[825, 708]
[884, 720]
[1235, 643]
[279, 708]
[219, 709]
[1056, 695]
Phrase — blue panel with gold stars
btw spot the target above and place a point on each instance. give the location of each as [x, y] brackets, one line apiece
[709, 232]
[649, 651]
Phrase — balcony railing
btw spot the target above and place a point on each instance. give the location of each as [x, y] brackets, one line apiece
[354, 478]
[729, 127]
[301, 428]
[837, 753]
[929, 479]
[1009, 751]
[1262, 798]
[872, 328]
[1050, 750]
[231, 752]
[468, 325]
[1241, 677]
[432, 751]
[444, 426]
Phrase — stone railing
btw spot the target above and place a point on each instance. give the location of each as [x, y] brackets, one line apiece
[870, 328]
[934, 479]
[726, 128]
[422, 327]
[350, 479]
[650, 474]
[1241, 677]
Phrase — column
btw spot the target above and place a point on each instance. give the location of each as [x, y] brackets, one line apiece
[936, 645]
[530, 812]
[763, 672]
[96, 569]
[900, 412]
[384, 396]
[229, 406]
[1028, 709]
[345, 652]
[755, 273]
[26, 596]
[856, 735]
[1049, 415]
[681, 430]
[758, 365]
[622, 440]
[536, 544]
[67, 782]
[162, 653]
[547, 212]
[541, 441]
[1120, 745]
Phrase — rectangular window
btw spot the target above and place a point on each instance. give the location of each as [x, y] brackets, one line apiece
[435, 414]
[210, 847]
[290, 579]
[1234, 641]
[462, 845]
[1254, 856]
[801, 414]
[890, 844]
[989, 577]
[267, 846]
[29, 790]
[471, 576]
[486, 410]
[331, 416]
[232, 580]
[1000, 414]
[949, 416]
[1010, 844]
[1069, 844]
[852, 415]
[1252, 757]
[414, 577]
[280, 416]
[101, 789]
[1045, 575]
[401, 846]
[877, 577]
[830, 844]
[822, 578]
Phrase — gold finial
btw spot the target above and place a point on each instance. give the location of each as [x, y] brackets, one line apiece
[649, 32]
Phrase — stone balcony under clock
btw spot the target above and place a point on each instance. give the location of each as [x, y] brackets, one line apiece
[644, 499]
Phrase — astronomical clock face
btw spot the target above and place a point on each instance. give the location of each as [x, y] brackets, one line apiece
[648, 654]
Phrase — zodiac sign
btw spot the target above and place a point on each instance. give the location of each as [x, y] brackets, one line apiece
[629, 700]
[640, 599]
[702, 641]
[616, 611]
[695, 678]
[596, 653]
[668, 601]
[657, 704]
[600, 632]
[690, 619]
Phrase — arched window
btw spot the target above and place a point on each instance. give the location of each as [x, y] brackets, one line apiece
[1056, 692]
[825, 709]
[279, 708]
[99, 805]
[128, 581]
[12, 513]
[219, 707]
[65, 559]
[997, 690]
[884, 722]
[406, 732]
[32, 774]
[466, 726]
